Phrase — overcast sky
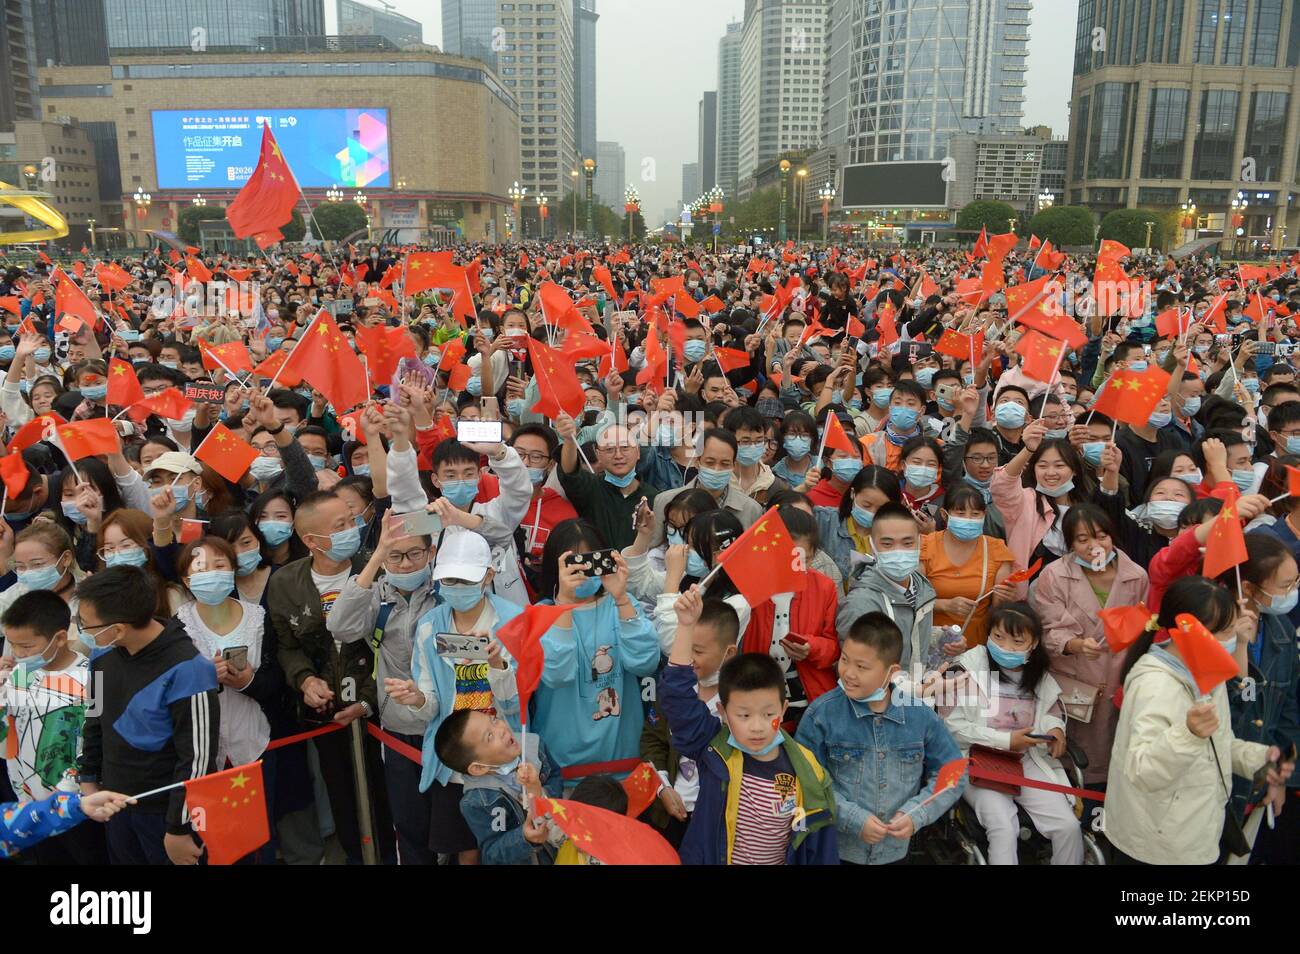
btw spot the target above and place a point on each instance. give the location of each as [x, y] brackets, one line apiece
[655, 59]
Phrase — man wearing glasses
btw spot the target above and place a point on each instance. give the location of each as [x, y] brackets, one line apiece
[538, 448]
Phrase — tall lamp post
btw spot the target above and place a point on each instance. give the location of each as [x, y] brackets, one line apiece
[90, 226]
[541, 215]
[142, 202]
[1233, 226]
[517, 193]
[631, 205]
[334, 194]
[589, 172]
[1189, 218]
[573, 174]
[800, 197]
[827, 194]
[715, 197]
[785, 188]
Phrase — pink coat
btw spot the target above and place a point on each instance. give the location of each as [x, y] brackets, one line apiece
[1069, 607]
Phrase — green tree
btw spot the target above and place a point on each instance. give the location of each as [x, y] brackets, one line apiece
[189, 219]
[1064, 225]
[994, 216]
[337, 220]
[762, 210]
[1129, 227]
[296, 229]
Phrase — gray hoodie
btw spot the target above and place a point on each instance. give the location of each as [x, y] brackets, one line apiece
[870, 591]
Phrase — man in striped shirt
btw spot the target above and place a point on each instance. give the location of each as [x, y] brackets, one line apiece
[153, 719]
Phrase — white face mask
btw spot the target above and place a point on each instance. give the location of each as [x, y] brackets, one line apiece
[185, 424]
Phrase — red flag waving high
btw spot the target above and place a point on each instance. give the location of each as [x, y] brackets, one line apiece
[1225, 547]
[69, 299]
[13, 470]
[227, 453]
[88, 438]
[963, 347]
[557, 382]
[1060, 327]
[1131, 396]
[642, 787]
[609, 837]
[123, 386]
[229, 812]
[35, 430]
[1042, 355]
[836, 439]
[522, 638]
[267, 199]
[764, 560]
[232, 356]
[327, 362]
[1205, 656]
[384, 347]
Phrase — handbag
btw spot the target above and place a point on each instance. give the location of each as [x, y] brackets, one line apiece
[1233, 841]
[1078, 698]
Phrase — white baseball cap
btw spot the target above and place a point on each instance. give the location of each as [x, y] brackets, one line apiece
[176, 462]
[463, 555]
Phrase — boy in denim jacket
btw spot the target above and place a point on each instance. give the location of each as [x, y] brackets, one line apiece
[883, 757]
[500, 786]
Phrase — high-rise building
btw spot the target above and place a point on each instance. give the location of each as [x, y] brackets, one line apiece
[207, 25]
[18, 93]
[584, 72]
[708, 149]
[467, 29]
[899, 83]
[780, 79]
[71, 32]
[537, 64]
[728, 135]
[690, 182]
[611, 174]
[1190, 101]
[357, 19]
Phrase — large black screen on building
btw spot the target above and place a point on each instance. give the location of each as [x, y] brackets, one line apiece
[895, 184]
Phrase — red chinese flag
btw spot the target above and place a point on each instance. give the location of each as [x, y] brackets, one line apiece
[1059, 327]
[35, 430]
[88, 438]
[642, 786]
[608, 837]
[228, 810]
[1041, 355]
[1209, 662]
[731, 359]
[1255, 309]
[266, 201]
[601, 274]
[1293, 481]
[1022, 297]
[578, 346]
[1131, 396]
[123, 386]
[1252, 273]
[1111, 251]
[327, 362]
[1021, 576]
[763, 561]
[836, 439]
[656, 360]
[961, 346]
[421, 272]
[239, 274]
[12, 304]
[384, 348]
[1216, 316]
[888, 327]
[712, 304]
[617, 361]
[1000, 245]
[1123, 625]
[557, 382]
[232, 357]
[1173, 322]
[558, 309]
[271, 367]
[459, 377]
[950, 774]
[522, 638]
[170, 404]
[1034, 242]
[677, 338]
[1226, 545]
[71, 300]
[686, 305]
[453, 351]
[197, 270]
[227, 453]
[992, 278]
[192, 530]
[982, 243]
[112, 277]
[13, 470]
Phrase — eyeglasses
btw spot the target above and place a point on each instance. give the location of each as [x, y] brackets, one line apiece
[106, 552]
[270, 450]
[982, 460]
[38, 565]
[407, 556]
[535, 457]
[154, 390]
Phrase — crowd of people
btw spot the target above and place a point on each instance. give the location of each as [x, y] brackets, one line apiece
[963, 518]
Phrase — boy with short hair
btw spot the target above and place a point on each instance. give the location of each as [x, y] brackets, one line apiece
[890, 753]
[488, 754]
[43, 714]
[764, 799]
[713, 641]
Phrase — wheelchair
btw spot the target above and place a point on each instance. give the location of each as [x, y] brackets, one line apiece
[959, 839]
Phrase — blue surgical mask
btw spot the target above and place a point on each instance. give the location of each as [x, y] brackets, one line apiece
[1056, 492]
[462, 597]
[474, 386]
[855, 403]
[1193, 477]
[247, 562]
[1293, 444]
[1159, 419]
[409, 582]
[588, 588]
[877, 696]
[695, 566]
[880, 397]
[797, 447]
[925, 377]
[750, 454]
[1092, 452]
[695, 350]
[968, 380]
[1191, 406]
[180, 492]
[515, 408]
[1244, 479]
[432, 359]
[944, 405]
[33, 663]
[95, 392]
[846, 468]
[211, 587]
[674, 538]
[170, 364]
[266, 468]
[1009, 415]
[903, 418]
[1279, 605]
[344, 544]
[537, 475]
[966, 528]
[1004, 658]
[273, 343]
[1110, 558]
[275, 532]
[361, 470]
[42, 355]
[711, 479]
[460, 492]
[981, 485]
[863, 517]
[918, 475]
[1251, 385]
[132, 557]
[621, 482]
[1164, 513]
[318, 463]
[1056, 434]
[898, 565]
[45, 578]
[7, 352]
[1137, 366]
[72, 513]
[757, 753]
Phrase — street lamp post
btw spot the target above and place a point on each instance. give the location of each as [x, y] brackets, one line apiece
[573, 174]
[1148, 245]
[800, 194]
[142, 201]
[90, 225]
[1233, 223]
[827, 194]
[631, 205]
[517, 193]
[334, 194]
[785, 185]
[541, 216]
[198, 201]
[1045, 201]
[589, 172]
[715, 198]
[1189, 218]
